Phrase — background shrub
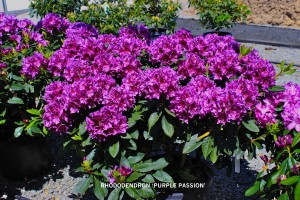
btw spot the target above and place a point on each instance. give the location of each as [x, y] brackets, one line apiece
[218, 14]
[108, 16]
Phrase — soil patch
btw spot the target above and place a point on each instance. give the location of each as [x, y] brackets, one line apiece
[264, 12]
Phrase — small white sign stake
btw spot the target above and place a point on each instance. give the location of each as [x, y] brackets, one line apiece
[237, 165]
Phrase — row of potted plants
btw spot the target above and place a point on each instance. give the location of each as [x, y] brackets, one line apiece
[110, 16]
[145, 111]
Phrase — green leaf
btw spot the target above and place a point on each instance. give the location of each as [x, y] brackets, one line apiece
[114, 195]
[133, 193]
[296, 139]
[17, 86]
[290, 180]
[274, 176]
[36, 129]
[207, 146]
[252, 190]
[148, 179]
[146, 167]
[134, 176]
[167, 127]
[82, 128]
[258, 145]
[18, 131]
[276, 88]
[133, 145]
[170, 113]
[284, 196]
[251, 126]
[191, 145]
[82, 186]
[87, 142]
[185, 174]
[30, 87]
[15, 100]
[135, 159]
[163, 177]
[114, 149]
[2, 121]
[297, 191]
[17, 78]
[105, 173]
[214, 155]
[100, 192]
[245, 50]
[34, 112]
[124, 161]
[146, 193]
[262, 185]
[91, 155]
[135, 135]
[154, 117]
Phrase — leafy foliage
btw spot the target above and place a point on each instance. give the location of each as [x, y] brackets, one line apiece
[218, 14]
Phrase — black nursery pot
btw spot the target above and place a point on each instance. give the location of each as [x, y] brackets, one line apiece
[24, 157]
[156, 32]
[219, 33]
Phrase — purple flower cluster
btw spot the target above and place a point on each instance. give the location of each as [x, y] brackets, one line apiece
[160, 81]
[260, 72]
[193, 99]
[67, 99]
[105, 74]
[33, 64]
[106, 122]
[165, 50]
[201, 96]
[18, 32]
[265, 113]
[53, 23]
[135, 31]
[291, 107]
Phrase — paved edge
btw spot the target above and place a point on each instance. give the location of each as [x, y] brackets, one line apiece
[259, 34]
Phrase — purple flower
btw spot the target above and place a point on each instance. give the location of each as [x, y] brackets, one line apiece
[53, 22]
[32, 64]
[165, 50]
[157, 82]
[192, 66]
[105, 123]
[284, 141]
[2, 65]
[80, 29]
[120, 98]
[119, 173]
[193, 99]
[291, 107]
[264, 158]
[125, 171]
[296, 168]
[140, 31]
[260, 72]
[280, 178]
[265, 113]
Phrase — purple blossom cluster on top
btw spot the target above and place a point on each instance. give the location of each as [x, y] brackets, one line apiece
[265, 111]
[103, 76]
[17, 33]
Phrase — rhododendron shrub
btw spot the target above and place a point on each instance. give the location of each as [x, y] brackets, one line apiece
[133, 106]
[147, 111]
[25, 49]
